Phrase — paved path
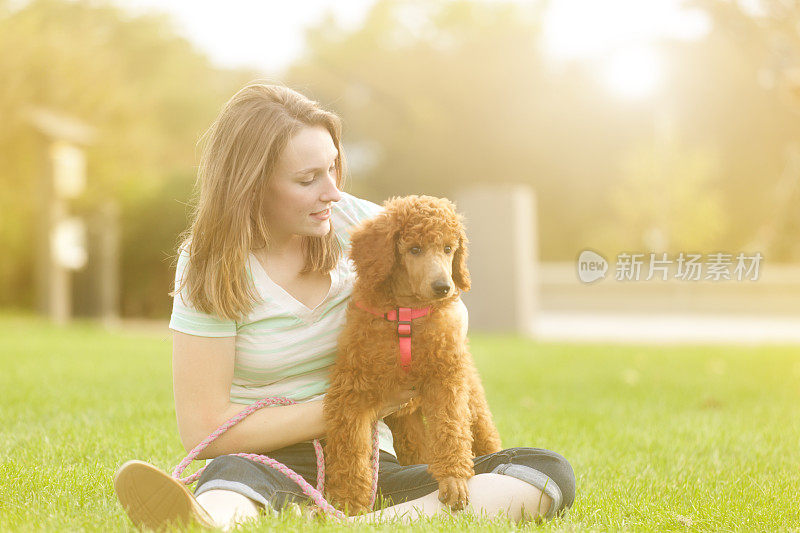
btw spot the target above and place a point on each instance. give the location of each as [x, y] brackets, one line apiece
[667, 328]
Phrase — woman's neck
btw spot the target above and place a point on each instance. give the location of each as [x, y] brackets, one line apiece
[291, 247]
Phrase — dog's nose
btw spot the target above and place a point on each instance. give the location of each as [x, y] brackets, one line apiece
[441, 288]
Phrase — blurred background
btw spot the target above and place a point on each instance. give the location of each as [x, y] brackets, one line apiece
[625, 126]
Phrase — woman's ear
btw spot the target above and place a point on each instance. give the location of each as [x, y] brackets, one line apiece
[460, 272]
[373, 250]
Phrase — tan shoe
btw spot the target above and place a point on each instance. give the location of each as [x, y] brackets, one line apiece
[153, 499]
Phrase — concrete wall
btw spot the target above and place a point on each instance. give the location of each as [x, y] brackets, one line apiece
[501, 226]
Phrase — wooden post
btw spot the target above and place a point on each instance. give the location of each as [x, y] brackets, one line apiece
[62, 176]
[108, 259]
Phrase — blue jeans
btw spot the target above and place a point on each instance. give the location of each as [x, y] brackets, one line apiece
[396, 483]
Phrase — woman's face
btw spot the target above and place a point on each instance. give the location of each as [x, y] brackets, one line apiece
[303, 186]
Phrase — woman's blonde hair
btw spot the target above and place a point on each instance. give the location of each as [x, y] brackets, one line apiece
[239, 155]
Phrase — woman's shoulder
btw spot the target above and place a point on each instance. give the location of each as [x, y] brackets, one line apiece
[186, 317]
[350, 211]
[355, 208]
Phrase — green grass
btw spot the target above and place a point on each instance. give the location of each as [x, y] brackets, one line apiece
[661, 438]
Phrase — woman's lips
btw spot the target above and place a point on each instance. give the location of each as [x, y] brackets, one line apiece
[322, 215]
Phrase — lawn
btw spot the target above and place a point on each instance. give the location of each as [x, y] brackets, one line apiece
[661, 438]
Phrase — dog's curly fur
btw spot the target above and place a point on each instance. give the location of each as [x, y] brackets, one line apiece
[402, 257]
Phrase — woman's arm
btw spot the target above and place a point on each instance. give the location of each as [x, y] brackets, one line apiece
[202, 370]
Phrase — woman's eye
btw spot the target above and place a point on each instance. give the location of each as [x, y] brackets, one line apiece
[415, 250]
[448, 249]
[308, 182]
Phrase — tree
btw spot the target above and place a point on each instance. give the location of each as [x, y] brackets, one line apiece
[147, 92]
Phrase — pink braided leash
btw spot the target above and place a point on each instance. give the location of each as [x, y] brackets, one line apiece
[314, 493]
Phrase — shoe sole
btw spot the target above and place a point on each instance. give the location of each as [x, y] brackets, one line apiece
[153, 499]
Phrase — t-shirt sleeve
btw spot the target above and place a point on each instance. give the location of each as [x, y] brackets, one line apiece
[188, 319]
[348, 213]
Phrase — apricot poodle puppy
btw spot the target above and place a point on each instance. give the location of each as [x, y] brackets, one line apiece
[406, 327]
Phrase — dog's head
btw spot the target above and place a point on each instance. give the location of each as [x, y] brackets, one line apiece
[416, 249]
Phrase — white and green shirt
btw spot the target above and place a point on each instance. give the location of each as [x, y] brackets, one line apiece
[283, 348]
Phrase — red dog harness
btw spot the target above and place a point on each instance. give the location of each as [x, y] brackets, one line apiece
[403, 316]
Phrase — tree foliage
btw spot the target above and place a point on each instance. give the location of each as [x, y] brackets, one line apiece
[456, 93]
[435, 97]
[148, 94]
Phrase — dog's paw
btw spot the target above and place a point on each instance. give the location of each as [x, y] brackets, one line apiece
[453, 492]
[348, 506]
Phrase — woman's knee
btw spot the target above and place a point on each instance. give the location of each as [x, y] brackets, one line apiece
[553, 464]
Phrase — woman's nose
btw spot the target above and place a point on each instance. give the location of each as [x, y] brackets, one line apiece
[331, 192]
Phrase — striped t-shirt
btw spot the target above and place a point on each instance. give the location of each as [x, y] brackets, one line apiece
[283, 348]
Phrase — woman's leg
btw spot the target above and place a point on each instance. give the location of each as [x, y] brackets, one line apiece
[517, 492]
[542, 468]
[234, 489]
[490, 495]
[522, 482]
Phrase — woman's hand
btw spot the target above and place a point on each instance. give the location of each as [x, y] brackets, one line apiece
[397, 402]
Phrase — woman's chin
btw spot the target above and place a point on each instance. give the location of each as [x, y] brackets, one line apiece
[320, 230]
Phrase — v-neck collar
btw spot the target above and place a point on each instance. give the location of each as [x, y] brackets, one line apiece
[286, 300]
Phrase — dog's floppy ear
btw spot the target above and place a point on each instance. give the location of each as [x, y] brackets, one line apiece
[460, 272]
[373, 250]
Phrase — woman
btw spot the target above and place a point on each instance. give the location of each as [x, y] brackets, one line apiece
[262, 285]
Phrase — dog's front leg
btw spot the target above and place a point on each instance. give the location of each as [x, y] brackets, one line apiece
[409, 435]
[485, 437]
[446, 411]
[348, 451]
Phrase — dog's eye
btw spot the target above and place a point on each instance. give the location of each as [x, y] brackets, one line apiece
[448, 249]
[415, 250]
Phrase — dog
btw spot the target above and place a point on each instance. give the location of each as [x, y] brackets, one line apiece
[412, 255]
